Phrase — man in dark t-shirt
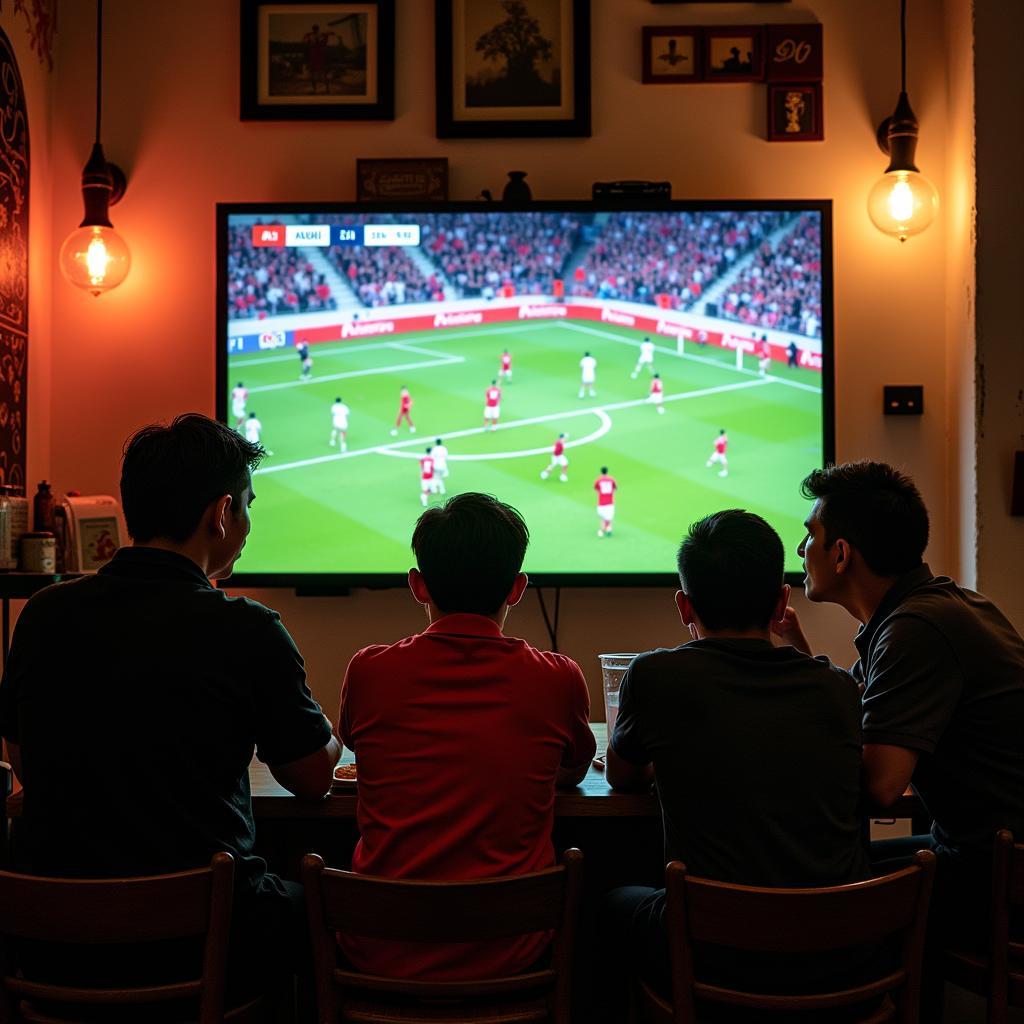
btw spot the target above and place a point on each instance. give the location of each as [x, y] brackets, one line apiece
[754, 749]
[133, 699]
[943, 677]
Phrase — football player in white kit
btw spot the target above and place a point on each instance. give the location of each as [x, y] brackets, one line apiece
[646, 357]
[339, 421]
[252, 430]
[439, 453]
[588, 374]
[239, 395]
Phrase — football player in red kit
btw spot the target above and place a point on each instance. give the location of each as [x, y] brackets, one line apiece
[558, 458]
[404, 410]
[606, 487]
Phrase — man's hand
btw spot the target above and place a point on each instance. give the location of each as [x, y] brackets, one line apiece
[789, 630]
[625, 777]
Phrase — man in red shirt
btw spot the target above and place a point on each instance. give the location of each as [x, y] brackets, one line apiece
[492, 406]
[404, 410]
[461, 735]
[606, 487]
[506, 366]
[559, 459]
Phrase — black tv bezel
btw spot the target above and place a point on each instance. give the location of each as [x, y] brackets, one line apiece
[326, 584]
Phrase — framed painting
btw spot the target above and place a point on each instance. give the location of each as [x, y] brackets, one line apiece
[317, 61]
[734, 54]
[513, 68]
[794, 112]
[671, 55]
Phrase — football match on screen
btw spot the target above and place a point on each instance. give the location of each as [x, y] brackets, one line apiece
[613, 374]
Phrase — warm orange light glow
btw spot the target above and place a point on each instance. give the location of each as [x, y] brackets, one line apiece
[902, 203]
[95, 258]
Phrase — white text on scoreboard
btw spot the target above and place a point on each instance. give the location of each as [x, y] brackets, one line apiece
[391, 234]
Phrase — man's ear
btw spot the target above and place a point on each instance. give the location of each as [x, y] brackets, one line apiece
[783, 603]
[515, 595]
[418, 586]
[217, 515]
[686, 612]
[843, 556]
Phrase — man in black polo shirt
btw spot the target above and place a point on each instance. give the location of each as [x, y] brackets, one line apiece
[943, 677]
[755, 748]
[133, 699]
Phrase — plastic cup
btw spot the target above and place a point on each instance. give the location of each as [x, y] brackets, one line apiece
[613, 668]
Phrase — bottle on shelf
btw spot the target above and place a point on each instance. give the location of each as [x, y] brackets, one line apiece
[43, 507]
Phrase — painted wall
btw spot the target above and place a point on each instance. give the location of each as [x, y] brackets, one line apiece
[146, 350]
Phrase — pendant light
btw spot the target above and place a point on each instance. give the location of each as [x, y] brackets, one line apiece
[94, 256]
[903, 202]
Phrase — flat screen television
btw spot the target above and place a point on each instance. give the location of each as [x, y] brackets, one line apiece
[684, 350]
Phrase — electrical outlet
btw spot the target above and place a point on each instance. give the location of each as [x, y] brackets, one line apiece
[903, 399]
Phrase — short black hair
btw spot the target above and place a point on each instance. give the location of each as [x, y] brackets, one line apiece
[875, 507]
[604, 470]
[470, 550]
[171, 473]
[731, 568]
[438, 441]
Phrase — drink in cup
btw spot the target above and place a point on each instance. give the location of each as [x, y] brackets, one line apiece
[613, 668]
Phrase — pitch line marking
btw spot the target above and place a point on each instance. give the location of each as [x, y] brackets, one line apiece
[707, 361]
[386, 449]
[603, 428]
[330, 349]
[371, 371]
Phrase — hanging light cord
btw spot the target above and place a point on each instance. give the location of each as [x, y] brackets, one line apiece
[902, 43]
[99, 61]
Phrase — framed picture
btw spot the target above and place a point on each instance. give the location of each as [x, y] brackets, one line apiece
[513, 68]
[671, 54]
[794, 112]
[402, 178]
[793, 53]
[317, 61]
[718, 1]
[734, 54]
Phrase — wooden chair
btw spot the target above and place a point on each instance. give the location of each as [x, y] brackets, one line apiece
[6, 785]
[794, 921]
[483, 909]
[998, 973]
[121, 910]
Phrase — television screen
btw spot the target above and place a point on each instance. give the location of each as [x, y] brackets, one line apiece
[615, 373]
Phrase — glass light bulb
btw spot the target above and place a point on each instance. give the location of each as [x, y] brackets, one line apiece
[902, 203]
[95, 258]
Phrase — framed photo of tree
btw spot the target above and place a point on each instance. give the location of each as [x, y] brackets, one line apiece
[513, 68]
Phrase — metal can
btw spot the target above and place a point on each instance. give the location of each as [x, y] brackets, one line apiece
[6, 530]
[39, 552]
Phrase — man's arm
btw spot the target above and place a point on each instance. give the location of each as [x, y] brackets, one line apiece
[886, 772]
[14, 757]
[310, 777]
[625, 777]
[570, 778]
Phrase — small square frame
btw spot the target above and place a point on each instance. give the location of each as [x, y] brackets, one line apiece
[750, 40]
[795, 120]
[660, 68]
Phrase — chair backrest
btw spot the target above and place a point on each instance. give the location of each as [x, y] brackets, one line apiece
[799, 921]
[119, 911]
[6, 785]
[1006, 956]
[417, 911]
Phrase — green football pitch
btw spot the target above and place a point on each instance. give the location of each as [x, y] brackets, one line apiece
[319, 510]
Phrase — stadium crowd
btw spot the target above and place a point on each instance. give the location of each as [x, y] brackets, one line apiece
[669, 259]
[781, 288]
[267, 281]
[480, 256]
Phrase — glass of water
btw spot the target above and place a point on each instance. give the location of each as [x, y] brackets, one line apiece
[613, 668]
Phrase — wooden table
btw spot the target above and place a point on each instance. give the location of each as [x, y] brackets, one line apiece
[592, 798]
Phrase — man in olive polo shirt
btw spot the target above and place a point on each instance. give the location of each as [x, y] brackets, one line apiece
[133, 699]
[943, 676]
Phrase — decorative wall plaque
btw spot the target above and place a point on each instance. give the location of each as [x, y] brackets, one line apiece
[402, 179]
[14, 184]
